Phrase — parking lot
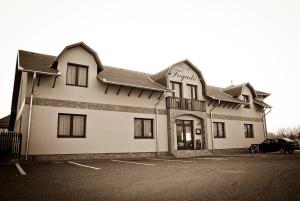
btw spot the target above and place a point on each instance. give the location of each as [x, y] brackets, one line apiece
[223, 177]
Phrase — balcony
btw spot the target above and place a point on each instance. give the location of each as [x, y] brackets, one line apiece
[185, 104]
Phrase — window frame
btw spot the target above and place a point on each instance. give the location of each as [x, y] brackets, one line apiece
[248, 133]
[246, 98]
[143, 134]
[218, 134]
[173, 88]
[71, 126]
[191, 86]
[76, 74]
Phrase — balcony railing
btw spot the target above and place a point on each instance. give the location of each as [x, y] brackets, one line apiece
[185, 104]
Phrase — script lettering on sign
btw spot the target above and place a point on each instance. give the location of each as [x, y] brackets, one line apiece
[182, 74]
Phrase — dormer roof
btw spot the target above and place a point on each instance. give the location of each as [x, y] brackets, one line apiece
[85, 47]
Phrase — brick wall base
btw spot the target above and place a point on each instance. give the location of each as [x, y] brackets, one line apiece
[231, 151]
[64, 157]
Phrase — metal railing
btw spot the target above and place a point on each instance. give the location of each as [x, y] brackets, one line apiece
[185, 104]
[10, 146]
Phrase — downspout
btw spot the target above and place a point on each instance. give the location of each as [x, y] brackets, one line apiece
[156, 123]
[265, 124]
[211, 126]
[30, 115]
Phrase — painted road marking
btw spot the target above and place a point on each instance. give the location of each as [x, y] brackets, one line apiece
[22, 172]
[130, 162]
[233, 171]
[217, 159]
[172, 160]
[87, 166]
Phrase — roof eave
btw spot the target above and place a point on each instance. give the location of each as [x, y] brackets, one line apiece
[38, 72]
[226, 100]
[131, 85]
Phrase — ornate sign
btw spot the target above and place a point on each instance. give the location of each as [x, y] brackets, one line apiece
[183, 73]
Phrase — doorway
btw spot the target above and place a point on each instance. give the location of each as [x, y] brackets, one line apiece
[185, 137]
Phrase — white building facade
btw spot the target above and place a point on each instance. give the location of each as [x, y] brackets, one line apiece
[72, 106]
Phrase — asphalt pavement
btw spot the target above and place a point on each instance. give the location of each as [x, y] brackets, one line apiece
[224, 177]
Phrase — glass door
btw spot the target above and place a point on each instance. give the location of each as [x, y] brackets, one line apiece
[184, 131]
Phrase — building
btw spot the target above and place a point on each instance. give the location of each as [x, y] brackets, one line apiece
[73, 106]
[4, 123]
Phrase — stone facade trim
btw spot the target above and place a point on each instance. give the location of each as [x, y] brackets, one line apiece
[93, 106]
[237, 118]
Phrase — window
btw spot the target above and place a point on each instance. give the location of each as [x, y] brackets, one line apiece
[77, 75]
[192, 91]
[248, 129]
[71, 125]
[177, 87]
[246, 99]
[219, 130]
[143, 128]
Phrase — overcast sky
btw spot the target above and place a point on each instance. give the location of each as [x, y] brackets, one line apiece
[239, 40]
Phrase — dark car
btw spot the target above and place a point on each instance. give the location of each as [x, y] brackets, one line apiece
[272, 145]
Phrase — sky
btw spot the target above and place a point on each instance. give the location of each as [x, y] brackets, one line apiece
[255, 41]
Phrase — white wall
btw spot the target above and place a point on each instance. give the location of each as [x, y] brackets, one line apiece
[234, 134]
[106, 132]
[234, 129]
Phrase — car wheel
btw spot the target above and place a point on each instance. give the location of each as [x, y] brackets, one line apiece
[282, 150]
[290, 151]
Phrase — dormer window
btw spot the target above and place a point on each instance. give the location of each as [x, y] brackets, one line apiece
[77, 75]
[247, 100]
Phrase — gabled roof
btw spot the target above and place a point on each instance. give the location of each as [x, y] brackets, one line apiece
[31, 61]
[84, 46]
[123, 77]
[261, 103]
[236, 90]
[161, 77]
[4, 122]
[261, 93]
[218, 94]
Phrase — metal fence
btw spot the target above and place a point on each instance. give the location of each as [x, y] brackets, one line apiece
[10, 146]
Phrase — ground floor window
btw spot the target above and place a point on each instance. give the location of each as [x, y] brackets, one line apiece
[248, 129]
[219, 130]
[71, 125]
[143, 128]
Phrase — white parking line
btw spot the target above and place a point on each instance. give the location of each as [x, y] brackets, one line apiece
[233, 171]
[95, 168]
[172, 160]
[22, 172]
[217, 159]
[130, 162]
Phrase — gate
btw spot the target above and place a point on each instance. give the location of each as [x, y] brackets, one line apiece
[10, 146]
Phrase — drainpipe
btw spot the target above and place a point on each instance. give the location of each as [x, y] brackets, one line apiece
[265, 124]
[156, 124]
[211, 126]
[30, 115]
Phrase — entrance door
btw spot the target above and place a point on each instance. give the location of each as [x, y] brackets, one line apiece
[184, 131]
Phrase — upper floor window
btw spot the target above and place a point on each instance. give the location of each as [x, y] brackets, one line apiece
[248, 130]
[219, 130]
[77, 75]
[143, 128]
[177, 87]
[192, 91]
[246, 98]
